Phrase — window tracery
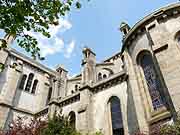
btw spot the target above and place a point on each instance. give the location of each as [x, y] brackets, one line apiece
[152, 80]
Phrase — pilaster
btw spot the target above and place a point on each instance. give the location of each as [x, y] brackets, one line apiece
[9, 92]
[85, 110]
[134, 95]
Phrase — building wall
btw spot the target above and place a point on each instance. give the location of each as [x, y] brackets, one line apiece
[158, 34]
[100, 109]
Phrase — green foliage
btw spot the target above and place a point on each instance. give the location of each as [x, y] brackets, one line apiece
[98, 133]
[165, 129]
[18, 16]
[1, 67]
[59, 125]
[173, 129]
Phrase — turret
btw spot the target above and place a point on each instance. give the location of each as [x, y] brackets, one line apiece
[124, 28]
[89, 66]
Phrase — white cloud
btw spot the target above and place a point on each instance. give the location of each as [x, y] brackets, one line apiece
[54, 44]
[69, 49]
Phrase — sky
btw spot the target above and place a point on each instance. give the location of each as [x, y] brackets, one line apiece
[95, 25]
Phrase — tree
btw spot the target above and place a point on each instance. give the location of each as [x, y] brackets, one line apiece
[19, 16]
[59, 125]
[19, 127]
[165, 129]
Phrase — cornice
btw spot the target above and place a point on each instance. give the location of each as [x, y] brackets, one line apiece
[104, 64]
[30, 61]
[109, 82]
[69, 100]
[33, 114]
[114, 57]
[66, 100]
[42, 112]
[106, 83]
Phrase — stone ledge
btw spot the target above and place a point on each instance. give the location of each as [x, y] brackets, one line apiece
[24, 110]
[82, 108]
[108, 82]
[159, 115]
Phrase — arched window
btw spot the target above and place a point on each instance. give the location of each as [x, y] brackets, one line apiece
[104, 76]
[99, 76]
[34, 86]
[22, 83]
[152, 80]
[76, 87]
[29, 82]
[178, 40]
[177, 37]
[72, 119]
[49, 95]
[116, 116]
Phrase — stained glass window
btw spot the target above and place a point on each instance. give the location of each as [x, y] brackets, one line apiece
[116, 116]
[152, 80]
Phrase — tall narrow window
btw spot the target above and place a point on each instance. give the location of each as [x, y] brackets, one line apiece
[99, 76]
[34, 86]
[72, 119]
[23, 80]
[152, 80]
[76, 87]
[29, 82]
[104, 76]
[49, 95]
[116, 116]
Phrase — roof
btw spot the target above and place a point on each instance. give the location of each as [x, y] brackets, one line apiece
[32, 62]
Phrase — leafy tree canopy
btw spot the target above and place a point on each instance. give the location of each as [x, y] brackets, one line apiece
[18, 16]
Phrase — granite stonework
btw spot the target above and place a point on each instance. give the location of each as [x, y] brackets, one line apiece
[88, 94]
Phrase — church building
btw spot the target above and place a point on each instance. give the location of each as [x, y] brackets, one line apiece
[135, 89]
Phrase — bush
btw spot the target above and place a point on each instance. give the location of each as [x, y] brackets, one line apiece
[18, 127]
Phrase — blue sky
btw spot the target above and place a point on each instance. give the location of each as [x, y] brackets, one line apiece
[95, 25]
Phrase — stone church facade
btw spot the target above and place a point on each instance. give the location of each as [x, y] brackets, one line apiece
[132, 90]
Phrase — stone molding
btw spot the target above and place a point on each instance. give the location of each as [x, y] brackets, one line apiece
[34, 114]
[67, 100]
[107, 83]
[102, 85]
[105, 64]
[30, 62]
[114, 57]
[42, 112]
